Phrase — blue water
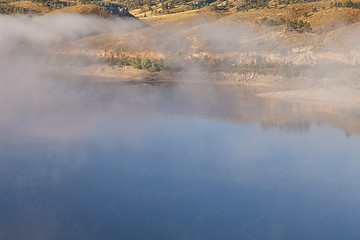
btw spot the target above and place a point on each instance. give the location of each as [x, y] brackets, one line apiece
[156, 163]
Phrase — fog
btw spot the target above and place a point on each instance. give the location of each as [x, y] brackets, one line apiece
[36, 99]
[188, 159]
[27, 86]
[31, 95]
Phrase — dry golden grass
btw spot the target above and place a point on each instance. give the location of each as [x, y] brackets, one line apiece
[180, 18]
[324, 18]
[326, 22]
[37, 7]
[85, 9]
[334, 17]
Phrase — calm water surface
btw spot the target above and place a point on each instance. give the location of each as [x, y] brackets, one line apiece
[177, 162]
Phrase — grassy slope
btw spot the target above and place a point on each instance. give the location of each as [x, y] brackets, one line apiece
[85, 10]
[177, 35]
[183, 26]
[37, 7]
[325, 17]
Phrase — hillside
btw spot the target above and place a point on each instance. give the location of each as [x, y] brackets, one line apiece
[293, 43]
[99, 8]
[293, 15]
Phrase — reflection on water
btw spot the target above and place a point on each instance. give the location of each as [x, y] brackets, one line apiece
[177, 162]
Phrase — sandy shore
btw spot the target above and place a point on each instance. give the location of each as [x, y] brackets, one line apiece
[340, 95]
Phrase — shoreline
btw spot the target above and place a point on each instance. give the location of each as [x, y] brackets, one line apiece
[276, 87]
[342, 96]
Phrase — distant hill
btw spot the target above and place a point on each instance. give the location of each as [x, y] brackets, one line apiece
[99, 8]
[302, 16]
[243, 40]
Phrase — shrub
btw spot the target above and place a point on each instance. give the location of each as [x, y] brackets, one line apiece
[152, 65]
[135, 62]
[123, 61]
[145, 63]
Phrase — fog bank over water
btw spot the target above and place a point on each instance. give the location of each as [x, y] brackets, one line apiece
[26, 43]
[29, 89]
[164, 161]
[36, 100]
[26, 91]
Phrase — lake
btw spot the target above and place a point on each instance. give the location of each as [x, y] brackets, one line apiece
[197, 161]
